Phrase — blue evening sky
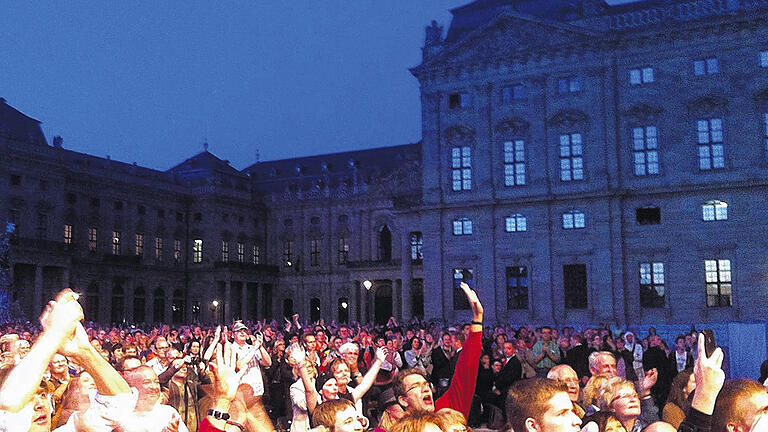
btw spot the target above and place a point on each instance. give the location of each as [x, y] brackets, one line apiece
[149, 81]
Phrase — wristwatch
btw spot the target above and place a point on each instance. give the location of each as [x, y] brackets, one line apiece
[218, 415]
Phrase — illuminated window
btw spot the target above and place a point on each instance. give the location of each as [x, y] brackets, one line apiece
[517, 287]
[571, 157]
[139, 244]
[461, 168]
[514, 163]
[177, 250]
[645, 150]
[224, 250]
[573, 219]
[515, 223]
[462, 226]
[256, 254]
[159, 248]
[67, 234]
[115, 242]
[417, 244]
[709, 66]
[709, 133]
[718, 281]
[92, 237]
[568, 85]
[197, 251]
[652, 285]
[641, 76]
[714, 211]
[240, 252]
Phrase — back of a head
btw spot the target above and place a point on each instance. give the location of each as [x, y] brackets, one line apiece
[659, 426]
[733, 402]
[528, 399]
[417, 421]
[325, 413]
[451, 417]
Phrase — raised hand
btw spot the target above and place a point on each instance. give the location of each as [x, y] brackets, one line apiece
[474, 302]
[381, 354]
[709, 377]
[258, 341]
[296, 354]
[648, 381]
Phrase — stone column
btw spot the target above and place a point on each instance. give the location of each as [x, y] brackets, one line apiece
[128, 294]
[65, 278]
[397, 301]
[37, 293]
[227, 301]
[406, 278]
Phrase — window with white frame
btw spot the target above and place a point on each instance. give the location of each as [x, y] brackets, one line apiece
[571, 157]
[714, 210]
[256, 256]
[652, 284]
[240, 252]
[762, 58]
[197, 251]
[718, 280]
[177, 250]
[115, 242]
[461, 168]
[709, 133]
[645, 150]
[417, 245]
[67, 234]
[159, 248]
[568, 85]
[639, 76]
[511, 93]
[139, 244]
[708, 66]
[225, 250]
[514, 163]
[462, 226]
[516, 223]
[92, 237]
[573, 219]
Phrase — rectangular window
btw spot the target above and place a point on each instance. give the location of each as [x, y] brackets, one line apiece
[645, 147]
[240, 252]
[514, 163]
[42, 225]
[314, 253]
[568, 85]
[648, 215]
[571, 157]
[574, 219]
[158, 248]
[115, 242]
[225, 250]
[417, 243]
[177, 250]
[517, 287]
[92, 237]
[714, 210]
[575, 286]
[343, 251]
[718, 279]
[709, 66]
[459, 100]
[462, 226]
[641, 76]
[515, 223]
[256, 254]
[197, 251]
[762, 59]
[461, 168]
[67, 234]
[652, 285]
[139, 244]
[287, 253]
[709, 134]
[15, 180]
[118, 205]
[511, 93]
[459, 298]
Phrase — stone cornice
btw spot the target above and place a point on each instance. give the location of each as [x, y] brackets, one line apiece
[459, 135]
[512, 126]
[706, 104]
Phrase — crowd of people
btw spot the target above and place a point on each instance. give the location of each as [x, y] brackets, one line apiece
[266, 376]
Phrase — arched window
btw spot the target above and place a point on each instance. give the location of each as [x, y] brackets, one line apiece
[385, 243]
[516, 223]
[118, 303]
[158, 305]
[573, 219]
[139, 302]
[343, 310]
[714, 210]
[314, 309]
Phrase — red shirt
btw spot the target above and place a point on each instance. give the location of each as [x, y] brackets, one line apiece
[462, 389]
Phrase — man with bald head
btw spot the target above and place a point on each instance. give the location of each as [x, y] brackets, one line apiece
[660, 426]
[149, 412]
[566, 375]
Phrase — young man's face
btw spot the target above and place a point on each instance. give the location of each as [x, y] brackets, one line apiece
[241, 336]
[418, 394]
[310, 343]
[347, 420]
[752, 407]
[41, 419]
[558, 417]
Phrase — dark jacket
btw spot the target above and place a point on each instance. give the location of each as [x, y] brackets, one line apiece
[441, 365]
[578, 358]
[511, 371]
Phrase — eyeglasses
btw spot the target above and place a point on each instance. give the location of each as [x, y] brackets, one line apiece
[632, 395]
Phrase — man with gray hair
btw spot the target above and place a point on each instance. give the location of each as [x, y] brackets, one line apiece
[602, 363]
[565, 374]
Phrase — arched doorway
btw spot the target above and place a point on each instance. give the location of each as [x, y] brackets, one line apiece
[139, 303]
[178, 306]
[314, 309]
[385, 243]
[91, 311]
[382, 302]
[343, 310]
[118, 304]
[288, 308]
[158, 309]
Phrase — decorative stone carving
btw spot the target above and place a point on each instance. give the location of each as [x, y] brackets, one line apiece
[707, 103]
[643, 111]
[568, 118]
[513, 126]
[458, 135]
[761, 96]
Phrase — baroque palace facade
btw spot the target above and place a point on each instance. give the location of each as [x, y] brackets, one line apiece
[579, 163]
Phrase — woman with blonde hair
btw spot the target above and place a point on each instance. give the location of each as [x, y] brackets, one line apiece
[420, 421]
[634, 411]
[453, 420]
[590, 395]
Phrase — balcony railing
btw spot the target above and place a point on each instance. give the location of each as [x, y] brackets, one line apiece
[245, 266]
[373, 264]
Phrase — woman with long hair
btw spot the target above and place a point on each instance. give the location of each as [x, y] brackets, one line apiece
[677, 402]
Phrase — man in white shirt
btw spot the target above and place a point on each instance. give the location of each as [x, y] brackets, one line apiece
[250, 356]
[150, 415]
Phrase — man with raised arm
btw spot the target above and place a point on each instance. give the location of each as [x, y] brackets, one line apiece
[412, 390]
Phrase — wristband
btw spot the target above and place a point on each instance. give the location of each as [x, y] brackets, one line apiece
[236, 424]
[477, 322]
[218, 415]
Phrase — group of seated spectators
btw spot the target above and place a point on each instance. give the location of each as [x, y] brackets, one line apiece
[66, 376]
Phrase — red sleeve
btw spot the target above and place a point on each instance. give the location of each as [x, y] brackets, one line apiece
[459, 394]
[205, 426]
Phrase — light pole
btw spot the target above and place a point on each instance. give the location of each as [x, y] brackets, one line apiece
[367, 284]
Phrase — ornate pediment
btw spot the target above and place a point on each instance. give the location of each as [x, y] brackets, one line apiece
[707, 103]
[643, 111]
[568, 118]
[459, 135]
[512, 126]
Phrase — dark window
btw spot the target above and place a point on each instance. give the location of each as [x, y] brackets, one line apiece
[198, 217]
[44, 185]
[575, 286]
[648, 215]
[142, 210]
[314, 252]
[179, 217]
[158, 305]
[417, 290]
[344, 219]
[314, 309]
[160, 213]
[385, 244]
[459, 298]
[71, 198]
[652, 285]
[139, 305]
[510, 93]
[343, 310]
[118, 205]
[517, 287]
[288, 308]
[94, 202]
[118, 302]
[568, 85]
[288, 253]
[15, 180]
[343, 251]
[458, 100]
[178, 306]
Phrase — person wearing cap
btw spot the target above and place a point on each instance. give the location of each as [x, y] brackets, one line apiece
[391, 411]
[250, 356]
